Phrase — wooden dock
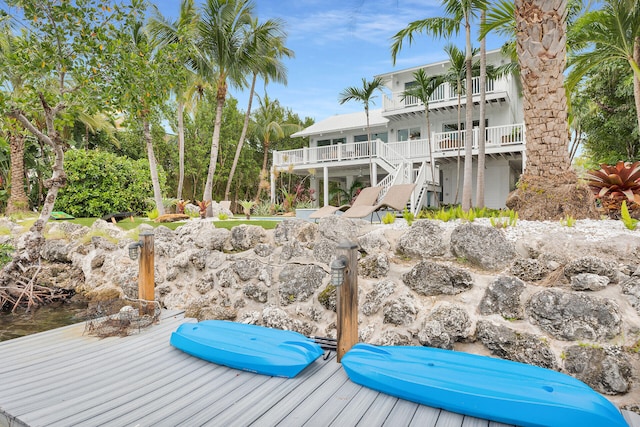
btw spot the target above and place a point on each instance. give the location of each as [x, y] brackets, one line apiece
[65, 378]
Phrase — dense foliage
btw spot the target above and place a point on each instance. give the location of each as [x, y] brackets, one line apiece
[102, 183]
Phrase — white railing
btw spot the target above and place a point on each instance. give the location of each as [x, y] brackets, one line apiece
[443, 93]
[398, 152]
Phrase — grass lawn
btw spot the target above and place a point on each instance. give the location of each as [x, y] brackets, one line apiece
[127, 224]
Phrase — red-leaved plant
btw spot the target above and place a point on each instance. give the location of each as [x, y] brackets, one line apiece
[613, 184]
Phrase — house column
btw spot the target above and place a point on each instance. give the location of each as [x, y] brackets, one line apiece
[315, 185]
[273, 184]
[325, 181]
[374, 174]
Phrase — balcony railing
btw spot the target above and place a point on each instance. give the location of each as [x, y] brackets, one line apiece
[396, 152]
[443, 93]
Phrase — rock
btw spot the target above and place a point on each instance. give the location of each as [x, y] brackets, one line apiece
[213, 239]
[206, 283]
[263, 249]
[227, 278]
[328, 298]
[400, 311]
[593, 265]
[606, 370]
[631, 289]
[244, 237]
[430, 278]
[374, 265]
[68, 230]
[374, 242]
[373, 300]
[522, 347]
[393, 338]
[103, 243]
[588, 282]
[212, 313]
[216, 209]
[445, 325]
[299, 282]
[338, 229]
[295, 230]
[291, 250]
[484, 247]
[324, 250]
[424, 239]
[529, 269]
[503, 297]
[256, 292]
[247, 269]
[56, 250]
[571, 316]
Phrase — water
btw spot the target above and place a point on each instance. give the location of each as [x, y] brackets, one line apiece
[42, 319]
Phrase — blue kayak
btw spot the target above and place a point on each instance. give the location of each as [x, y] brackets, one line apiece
[480, 386]
[250, 348]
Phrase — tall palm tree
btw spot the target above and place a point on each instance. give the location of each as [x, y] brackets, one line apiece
[423, 88]
[181, 34]
[483, 111]
[610, 34]
[365, 95]
[226, 51]
[460, 12]
[269, 38]
[269, 128]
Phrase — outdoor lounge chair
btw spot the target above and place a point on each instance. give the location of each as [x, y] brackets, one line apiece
[396, 198]
[367, 197]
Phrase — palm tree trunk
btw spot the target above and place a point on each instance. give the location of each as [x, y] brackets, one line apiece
[636, 79]
[18, 201]
[263, 171]
[459, 142]
[243, 135]
[483, 108]
[153, 169]
[215, 142]
[369, 148]
[431, 160]
[467, 180]
[180, 148]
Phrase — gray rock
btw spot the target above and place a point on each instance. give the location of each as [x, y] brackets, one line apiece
[56, 250]
[522, 347]
[529, 269]
[216, 209]
[393, 338]
[247, 269]
[374, 265]
[588, 282]
[424, 239]
[206, 283]
[484, 247]
[373, 300]
[399, 312]
[245, 237]
[575, 316]
[593, 265]
[199, 258]
[263, 249]
[213, 239]
[503, 297]
[338, 229]
[256, 292]
[299, 282]
[295, 230]
[69, 230]
[291, 250]
[631, 290]
[606, 370]
[430, 278]
[444, 326]
[324, 250]
[218, 313]
[227, 278]
[103, 243]
[328, 298]
[374, 242]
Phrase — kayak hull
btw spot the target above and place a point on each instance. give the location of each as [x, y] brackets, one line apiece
[249, 348]
[480, 386]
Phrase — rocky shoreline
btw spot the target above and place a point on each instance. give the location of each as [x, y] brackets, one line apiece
[565, 298]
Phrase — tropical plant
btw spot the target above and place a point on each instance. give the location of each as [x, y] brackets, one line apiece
[247, 205]
[630, 223]
[180, 205]
[613, 184]
[388, 218]
[203, 205]
[365, 95]
[568, 221]
[223, 216]
[408, 216]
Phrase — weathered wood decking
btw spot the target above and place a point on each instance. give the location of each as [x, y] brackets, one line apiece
[64, 378]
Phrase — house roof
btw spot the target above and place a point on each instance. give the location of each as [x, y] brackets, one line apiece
[344, 122]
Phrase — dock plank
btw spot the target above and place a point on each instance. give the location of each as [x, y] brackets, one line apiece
[67, 378]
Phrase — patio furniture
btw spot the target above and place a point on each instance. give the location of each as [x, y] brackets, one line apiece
[367, 197]
[396, 198]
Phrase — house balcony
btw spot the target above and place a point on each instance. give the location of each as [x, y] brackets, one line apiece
[445, 97]
[499, 139]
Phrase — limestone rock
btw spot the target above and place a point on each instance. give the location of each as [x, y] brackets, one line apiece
[631, 290]
[295, 230]
[606, 370]
[398, 312]
[529, 269]
[263, 249]
[445, 325]
[213, 239]
[337, 228]
[374, 265]
[373, 300]
[299, 282]
[393, 338]
[503, 297]
[227, 278]
[247, 269]
[244, 237]
[374, 242]
[589, 282]
[324, 250]
[506, 343]
[430, 278]
[292, 250]
[328, 298]
[593, 265]
[424, 239]
[56, 250]
[484, 247]
[256, 292]
[573, 316]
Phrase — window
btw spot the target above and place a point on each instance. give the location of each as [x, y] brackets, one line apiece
[406, 134]
[335, 141]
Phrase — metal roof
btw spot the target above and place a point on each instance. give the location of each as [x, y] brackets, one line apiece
[344, 122]
[64, 378]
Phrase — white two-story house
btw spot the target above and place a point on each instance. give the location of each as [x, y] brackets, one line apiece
[398, 153]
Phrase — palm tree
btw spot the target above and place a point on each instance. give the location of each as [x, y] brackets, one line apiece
[180, 34]
[611, 34]
[460, 12]
[483, 111]
[365, 95]
[269, 38]
[423, 88]
[268, 129]
[226, 50]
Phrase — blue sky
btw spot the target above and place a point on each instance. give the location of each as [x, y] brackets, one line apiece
[337, 43]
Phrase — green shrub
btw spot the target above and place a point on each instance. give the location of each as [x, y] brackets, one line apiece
[6, 253]
[153, 214]
[630, 223]
[408, 216]
[388, 218]
[99, 183]
[222, 216]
